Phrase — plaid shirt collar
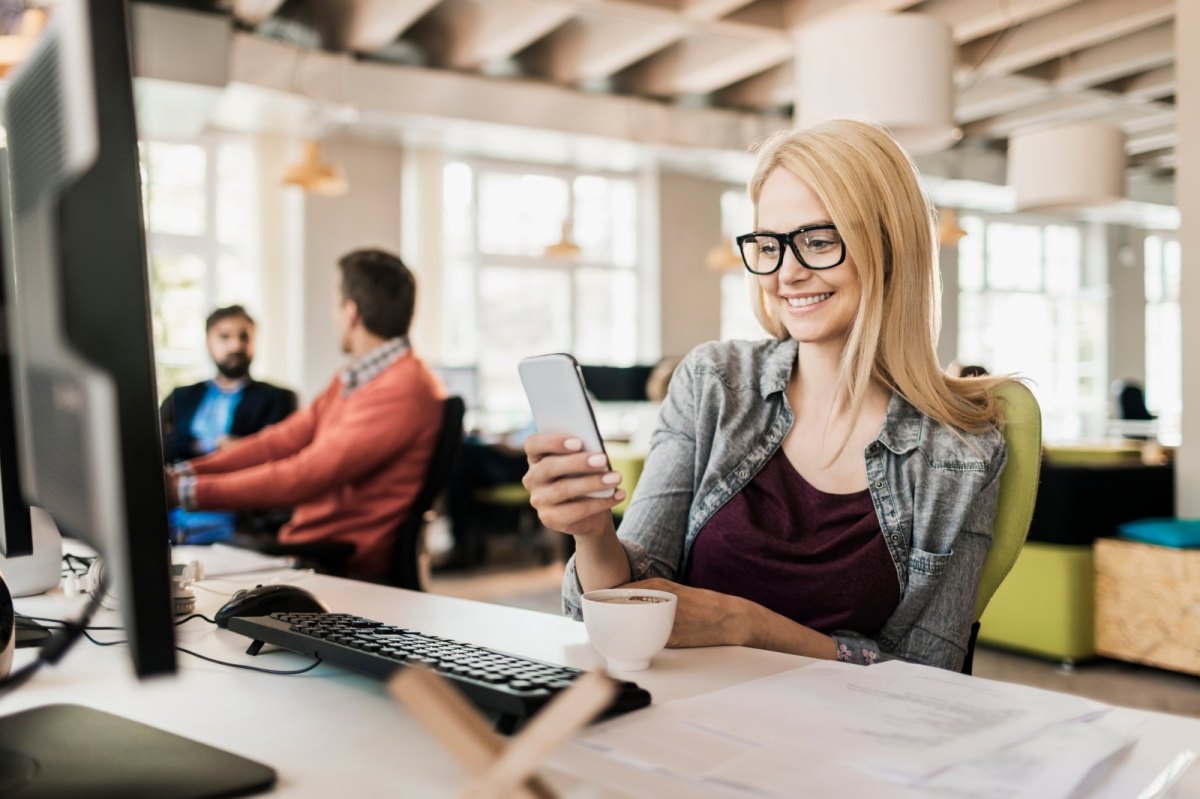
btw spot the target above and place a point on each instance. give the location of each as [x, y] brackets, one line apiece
[367, 367]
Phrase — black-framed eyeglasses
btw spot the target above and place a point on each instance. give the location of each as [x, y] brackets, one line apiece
[815, 247]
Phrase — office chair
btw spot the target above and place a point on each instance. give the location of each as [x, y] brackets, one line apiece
[405, 571]
[1018, 493]
[331, 557]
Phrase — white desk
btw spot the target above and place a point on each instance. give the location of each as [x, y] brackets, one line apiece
[334, 733]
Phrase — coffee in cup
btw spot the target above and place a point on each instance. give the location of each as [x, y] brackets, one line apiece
[628, 626]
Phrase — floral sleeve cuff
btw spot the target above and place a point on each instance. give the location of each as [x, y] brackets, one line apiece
[572, 589]
[855, 648]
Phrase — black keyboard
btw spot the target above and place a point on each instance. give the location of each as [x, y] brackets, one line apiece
[511, 686]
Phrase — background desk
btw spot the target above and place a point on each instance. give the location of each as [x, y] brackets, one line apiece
[334, 733]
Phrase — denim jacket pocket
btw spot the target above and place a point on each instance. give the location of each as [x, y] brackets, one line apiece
[930, 564]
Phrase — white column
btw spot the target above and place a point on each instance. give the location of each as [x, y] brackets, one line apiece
[1122, 250]
[947, 343]
[273, 358]
[421, 242]
[689, 294]
[1187, 192]
[367, 216]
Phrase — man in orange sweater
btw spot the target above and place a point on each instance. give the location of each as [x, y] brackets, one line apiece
[352, 462]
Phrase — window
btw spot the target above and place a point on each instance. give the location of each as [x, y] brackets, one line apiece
[737, 316]
[1164, 355]
[200, 210]
[504, 298]
[1028, 307]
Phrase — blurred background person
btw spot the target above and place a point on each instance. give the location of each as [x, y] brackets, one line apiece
[203, 417]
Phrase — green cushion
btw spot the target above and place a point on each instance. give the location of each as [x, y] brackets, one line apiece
[1018, 487]
[1046, 605]
[629, 464]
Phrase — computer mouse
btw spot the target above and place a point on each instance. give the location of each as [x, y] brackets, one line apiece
[263, 600]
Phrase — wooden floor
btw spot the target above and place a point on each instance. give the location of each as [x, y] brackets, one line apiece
[1111, 681]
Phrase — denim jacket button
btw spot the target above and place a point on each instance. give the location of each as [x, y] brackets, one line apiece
[895, 538]
[879, 484]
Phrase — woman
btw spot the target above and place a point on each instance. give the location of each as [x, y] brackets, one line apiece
[829, 492]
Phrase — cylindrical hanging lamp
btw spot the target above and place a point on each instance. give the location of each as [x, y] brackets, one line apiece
[894, 69]
[1072, 166]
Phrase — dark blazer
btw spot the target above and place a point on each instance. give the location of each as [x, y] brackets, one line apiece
[263, 404]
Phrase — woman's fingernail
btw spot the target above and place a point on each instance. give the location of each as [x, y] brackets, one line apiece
[597, 460]
[573, 444]
[612, 478]
[619, 495]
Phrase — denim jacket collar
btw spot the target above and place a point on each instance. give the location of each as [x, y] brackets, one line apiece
[902, 426]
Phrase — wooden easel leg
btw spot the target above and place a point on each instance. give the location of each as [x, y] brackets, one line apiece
[500, 770]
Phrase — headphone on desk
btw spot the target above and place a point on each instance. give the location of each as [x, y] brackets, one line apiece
[95, 585]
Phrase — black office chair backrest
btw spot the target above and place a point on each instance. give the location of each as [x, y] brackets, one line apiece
[406, 569]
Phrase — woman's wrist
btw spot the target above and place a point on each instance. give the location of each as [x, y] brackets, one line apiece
[745, 624]
[600, 560]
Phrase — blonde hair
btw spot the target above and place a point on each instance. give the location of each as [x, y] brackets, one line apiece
[869, 186]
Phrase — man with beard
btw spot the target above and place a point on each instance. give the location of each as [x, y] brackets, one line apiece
[205, 417]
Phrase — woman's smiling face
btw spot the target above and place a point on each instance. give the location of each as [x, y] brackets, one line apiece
[816, 307]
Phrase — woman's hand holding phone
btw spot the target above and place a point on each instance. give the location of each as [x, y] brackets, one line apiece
[560, 478]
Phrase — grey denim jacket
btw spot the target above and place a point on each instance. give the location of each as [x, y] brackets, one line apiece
[935, 493]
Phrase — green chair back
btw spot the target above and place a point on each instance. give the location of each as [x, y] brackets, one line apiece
[1018, 488]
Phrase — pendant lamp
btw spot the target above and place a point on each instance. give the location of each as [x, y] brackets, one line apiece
[565, 248]
[315, 175]
[1079, 165]
[893, 69]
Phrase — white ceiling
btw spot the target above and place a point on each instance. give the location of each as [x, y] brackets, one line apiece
[1021, 62]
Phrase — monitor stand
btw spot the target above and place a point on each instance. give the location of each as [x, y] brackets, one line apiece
[65, 751]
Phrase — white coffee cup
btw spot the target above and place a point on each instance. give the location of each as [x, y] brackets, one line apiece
[628, 625]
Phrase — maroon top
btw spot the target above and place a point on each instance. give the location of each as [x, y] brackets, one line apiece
[817, 558]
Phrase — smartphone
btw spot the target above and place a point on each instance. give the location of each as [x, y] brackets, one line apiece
[558, 398]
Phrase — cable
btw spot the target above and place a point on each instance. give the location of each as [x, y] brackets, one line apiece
[309, 667]
[87, 634]
[58, 645]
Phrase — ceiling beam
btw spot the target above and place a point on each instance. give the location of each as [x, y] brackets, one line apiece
[1165, 158]
[993, 96]
[971, 19]
[1069, 29]
[467, 34]
[771, 89]
[1153, 85]
[251, 12]
[806, 12]
[712, 9]
[1062, 108]
[1160, 138]
[1118, 58]
[367, 25]
[702, 64]
[592, 47]
[411, 96]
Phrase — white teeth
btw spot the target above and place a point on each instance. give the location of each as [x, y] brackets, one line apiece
[800, 302]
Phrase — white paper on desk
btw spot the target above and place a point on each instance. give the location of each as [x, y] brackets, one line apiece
[1051, 766]
[902, 721]
[647, 753]
[220, 560]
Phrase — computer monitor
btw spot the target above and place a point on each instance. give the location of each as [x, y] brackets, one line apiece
[461, 381]
[16, 535]
[79, 315]
[617, 383]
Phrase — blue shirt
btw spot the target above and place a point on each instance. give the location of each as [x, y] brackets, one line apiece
[212, 422]
[214, 417]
